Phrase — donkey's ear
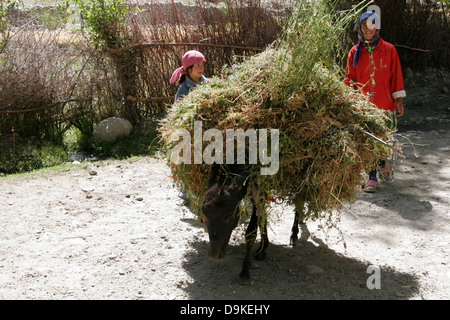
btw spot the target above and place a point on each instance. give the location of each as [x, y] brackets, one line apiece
[239, 180]
[248, 171]
[215, 174]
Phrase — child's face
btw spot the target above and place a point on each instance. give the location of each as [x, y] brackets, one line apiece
[368, 29]
[197, 70]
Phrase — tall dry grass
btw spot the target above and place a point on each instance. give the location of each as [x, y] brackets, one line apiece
[52, 80]
[36, 81]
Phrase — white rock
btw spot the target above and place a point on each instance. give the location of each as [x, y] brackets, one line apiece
[112, 128]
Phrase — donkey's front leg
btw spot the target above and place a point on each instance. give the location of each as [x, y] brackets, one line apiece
[250, 236]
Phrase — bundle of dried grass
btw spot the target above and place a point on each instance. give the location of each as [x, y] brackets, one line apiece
[296, 87]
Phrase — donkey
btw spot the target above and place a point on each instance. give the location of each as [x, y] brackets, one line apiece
[226, 188]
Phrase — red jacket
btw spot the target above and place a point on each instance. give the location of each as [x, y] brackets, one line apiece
[387, 84]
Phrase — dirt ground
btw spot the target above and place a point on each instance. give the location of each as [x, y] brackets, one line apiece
[117, 230]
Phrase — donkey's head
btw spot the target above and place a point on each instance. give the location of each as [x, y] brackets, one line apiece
[227, 186]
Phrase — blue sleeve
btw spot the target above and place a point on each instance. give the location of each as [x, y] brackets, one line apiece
[181, 92]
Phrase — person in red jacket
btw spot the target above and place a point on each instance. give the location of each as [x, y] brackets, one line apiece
[373, 67]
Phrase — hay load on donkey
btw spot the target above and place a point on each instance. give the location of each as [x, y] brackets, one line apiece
[294, 89]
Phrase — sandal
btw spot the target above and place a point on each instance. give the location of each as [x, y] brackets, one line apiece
[386, 173]
[370, 186]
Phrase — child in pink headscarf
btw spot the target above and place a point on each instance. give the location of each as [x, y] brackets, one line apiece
[190, 73]
[188, 76]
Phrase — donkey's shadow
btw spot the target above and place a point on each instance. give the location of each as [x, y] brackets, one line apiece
[309, 270]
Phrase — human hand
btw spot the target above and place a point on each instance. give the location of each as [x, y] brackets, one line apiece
[399, 106]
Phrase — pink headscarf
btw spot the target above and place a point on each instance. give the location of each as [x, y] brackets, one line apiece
[189, 59]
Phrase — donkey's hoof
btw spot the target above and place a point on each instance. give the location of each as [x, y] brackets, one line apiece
[246, 281]
[294, 240]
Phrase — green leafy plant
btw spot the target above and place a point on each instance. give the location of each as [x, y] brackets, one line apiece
[4, 25]
[104, 21]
